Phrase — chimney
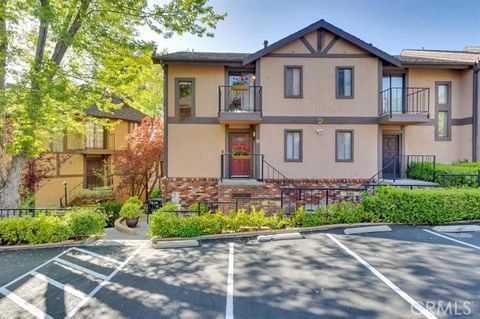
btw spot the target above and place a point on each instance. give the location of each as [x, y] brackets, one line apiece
[265, 43]
[473, 49]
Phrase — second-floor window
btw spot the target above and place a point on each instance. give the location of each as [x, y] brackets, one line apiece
[443, 110]
[58, 144]
[293, 81]
[185, 97]
[95, 137]
[344, 85]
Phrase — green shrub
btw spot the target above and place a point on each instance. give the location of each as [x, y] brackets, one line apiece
[425, 172]
[93, 195]
[164, 224]
[131, 210]
[33, 230]
[134, 200]
[156, 193]
[430, 206]
[86, 221]
[112, 211]
[169, 207]
[198, 207]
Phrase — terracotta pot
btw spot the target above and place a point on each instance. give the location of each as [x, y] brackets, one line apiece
[241, 157]
[131, 222]
[240, 87]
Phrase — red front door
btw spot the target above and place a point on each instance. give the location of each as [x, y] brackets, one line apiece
[239, 164]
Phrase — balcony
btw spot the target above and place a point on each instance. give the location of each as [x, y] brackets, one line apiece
[405, 105]
[239, 104]
[94, 144]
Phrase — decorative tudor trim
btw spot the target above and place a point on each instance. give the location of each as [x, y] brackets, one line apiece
[322, 24]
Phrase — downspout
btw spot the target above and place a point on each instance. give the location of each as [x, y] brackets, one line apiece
[475, 138]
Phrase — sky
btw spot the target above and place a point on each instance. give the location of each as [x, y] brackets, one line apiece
[390, 25]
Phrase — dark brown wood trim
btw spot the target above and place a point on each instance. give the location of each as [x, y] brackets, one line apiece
[330, 44]
[321, 55]
[308, 45]
[320, 40]
[352, 148]
[165, 117]
[177, 96]
[285, 132]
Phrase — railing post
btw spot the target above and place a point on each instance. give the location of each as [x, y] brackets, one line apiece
[478, 178]
[221, 167]
[281, 198]
[391, 105]
[434, 169]
[394, 169]
[326, 197]
[219, 100]
[263, 164]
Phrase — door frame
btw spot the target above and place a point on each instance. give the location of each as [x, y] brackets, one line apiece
[252, 145]
[399, 136]
[248, 132]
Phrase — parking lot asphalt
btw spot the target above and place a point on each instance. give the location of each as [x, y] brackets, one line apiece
[410, 272]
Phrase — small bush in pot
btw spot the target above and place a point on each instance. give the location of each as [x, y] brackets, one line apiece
[131, 210]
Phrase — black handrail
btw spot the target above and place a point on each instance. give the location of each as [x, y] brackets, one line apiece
[243, 99]
[411, 100]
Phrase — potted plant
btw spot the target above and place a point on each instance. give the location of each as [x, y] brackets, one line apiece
[241, 152]
[241, 85]
[131, 210]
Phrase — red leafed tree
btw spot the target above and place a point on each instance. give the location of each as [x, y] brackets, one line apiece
[137, 162]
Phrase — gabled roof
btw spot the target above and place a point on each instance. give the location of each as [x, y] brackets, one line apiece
[406, 60]
[185, 56]
[126, 112]
[322, 24]
[440, 56]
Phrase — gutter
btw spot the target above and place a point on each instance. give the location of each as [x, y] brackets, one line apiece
[476, 68]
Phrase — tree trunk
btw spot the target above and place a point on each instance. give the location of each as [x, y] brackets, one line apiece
[9, 192]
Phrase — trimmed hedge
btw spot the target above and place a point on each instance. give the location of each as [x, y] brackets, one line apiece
[340, 213]
[425, 172]
[77, 223]
[168, 224]
[419, 206]
[112, 211]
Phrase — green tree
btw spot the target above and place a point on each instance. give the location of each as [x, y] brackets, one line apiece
[60, 56]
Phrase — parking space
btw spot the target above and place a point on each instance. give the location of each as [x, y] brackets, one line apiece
[410, 272]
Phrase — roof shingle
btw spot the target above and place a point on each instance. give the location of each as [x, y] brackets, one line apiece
[126, 112]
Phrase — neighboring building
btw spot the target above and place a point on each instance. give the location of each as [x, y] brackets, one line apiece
[320, 107]
[83, 161]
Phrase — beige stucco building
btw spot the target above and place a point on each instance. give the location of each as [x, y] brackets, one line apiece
[84, 160]
[319, 106]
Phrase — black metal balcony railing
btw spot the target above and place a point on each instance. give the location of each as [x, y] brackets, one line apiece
[405, 100]
[239, 98]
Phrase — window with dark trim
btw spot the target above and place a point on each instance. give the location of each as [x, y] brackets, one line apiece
[344, 145]
[443, 107]
[293, 81]
[59, 144]
[95, 135]
[185, 98]
[293, 147]
[344, 82]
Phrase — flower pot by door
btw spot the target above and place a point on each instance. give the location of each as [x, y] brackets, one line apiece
[239, 164]
[131, 222]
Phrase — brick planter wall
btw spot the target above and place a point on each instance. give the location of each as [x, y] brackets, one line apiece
[267, 193]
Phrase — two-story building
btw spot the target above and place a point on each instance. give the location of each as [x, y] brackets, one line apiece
[84, 160]
[320, 107]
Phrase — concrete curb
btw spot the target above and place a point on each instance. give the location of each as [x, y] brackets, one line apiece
[63, 244]
[287, 236]
[123, 228]
[177, 244]
[366, 230]
[305, 230]
[457, 228]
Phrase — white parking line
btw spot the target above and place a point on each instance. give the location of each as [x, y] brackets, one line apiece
[387, 281]
[452, 239]
[229, 307]
[103, 283]
[82, 269]
[59, 285]
[24, 304]
[91, 253]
